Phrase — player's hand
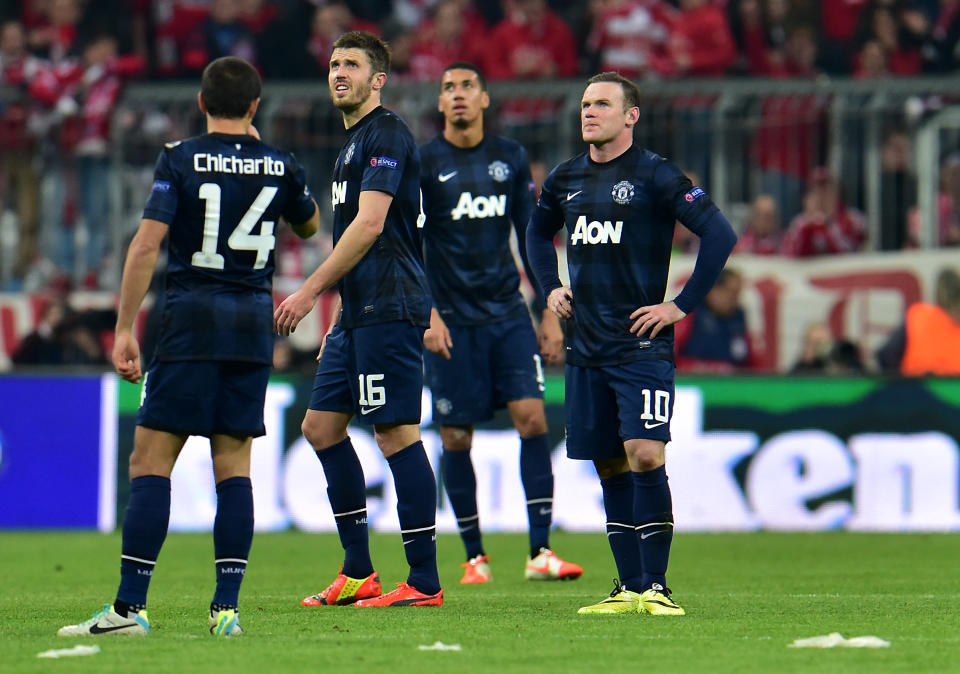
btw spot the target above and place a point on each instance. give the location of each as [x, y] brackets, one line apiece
[437, 337]
[126, 357]
[252, 131]
[550, 337]
[655, 318]
[291, 311]
[560, 302]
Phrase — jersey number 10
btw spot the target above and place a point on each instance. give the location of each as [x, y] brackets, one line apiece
[241, 238]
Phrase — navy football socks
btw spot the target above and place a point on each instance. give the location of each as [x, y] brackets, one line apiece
[618, 502]
[416, 489]
[460, 481]
[232, 536]
[536, 474]
[347, 492]
[653, 513]
[144, 530]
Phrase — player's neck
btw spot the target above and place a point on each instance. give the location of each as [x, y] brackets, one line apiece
[235, 127]
[353, 116]
[464, 138]
[611, 150]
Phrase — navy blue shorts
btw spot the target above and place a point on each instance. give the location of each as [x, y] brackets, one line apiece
[204, 397]
[375, 372]
[606, 406]
[490, 365]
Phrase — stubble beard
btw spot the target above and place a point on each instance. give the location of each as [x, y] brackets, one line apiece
[348, 106]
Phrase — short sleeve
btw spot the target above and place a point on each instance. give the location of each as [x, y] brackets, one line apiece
[386, 157]
[299, 207]
[162, 202]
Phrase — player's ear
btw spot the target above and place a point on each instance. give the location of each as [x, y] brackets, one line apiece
[484, 100]
[200, 104]
[633, 116]
[252, 110]
[379, 80]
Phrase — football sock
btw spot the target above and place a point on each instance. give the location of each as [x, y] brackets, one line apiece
[653, 513]
[536, 474]
[621, 534]
[416, 489]
[232, 536]
[461, 484]
[144, 529]
[347, 492]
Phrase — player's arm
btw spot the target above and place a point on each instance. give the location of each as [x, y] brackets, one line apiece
[549, 334]
[546, 221]
[137, 272]
[694, 209]
[307, 229]
[357, 239]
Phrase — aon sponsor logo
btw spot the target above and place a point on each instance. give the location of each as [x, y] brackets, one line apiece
[596, 232]
[339, 193]
[479, 207]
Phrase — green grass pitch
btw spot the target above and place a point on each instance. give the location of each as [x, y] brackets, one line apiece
[747, 597]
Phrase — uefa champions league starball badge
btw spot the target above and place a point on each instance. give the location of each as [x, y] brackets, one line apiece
[622, 192]
[499, 171]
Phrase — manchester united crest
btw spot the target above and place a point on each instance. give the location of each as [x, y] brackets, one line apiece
[622, 192]
[499, 171]
[347, 157]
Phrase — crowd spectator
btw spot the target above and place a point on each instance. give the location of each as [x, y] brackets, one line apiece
[223, 33]
[66, 337]
[331, 20]
[18, 171]
[898, 190]
[948, 207]
[792, 133]
[714, 338]
[899, 32]
[926, 343]
[451, 34]
[826, 226]
[632, 37]
[823, 354]
[762, 234]
[940, 50]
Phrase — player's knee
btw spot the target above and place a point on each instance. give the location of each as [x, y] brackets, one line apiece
[531, 425]
[456, 438]
[612, 468]
[319, 435]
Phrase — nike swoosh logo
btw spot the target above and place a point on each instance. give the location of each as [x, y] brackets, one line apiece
[648, 425]
[571, 196]
[546, 511]
[96, 629]
[368, 410]
[644, 537]
[444, 177]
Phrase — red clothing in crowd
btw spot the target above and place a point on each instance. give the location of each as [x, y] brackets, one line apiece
[85, 96]
[431, 55]
[838, 18]
[548, 42]
[632, 38]
[173, 21]
[703, 36]
[810, 235]
[15, 115]
[755, 244]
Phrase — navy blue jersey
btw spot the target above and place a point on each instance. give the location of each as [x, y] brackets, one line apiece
[222, 196]
[470, 198]
[620, 219]
[388, 284]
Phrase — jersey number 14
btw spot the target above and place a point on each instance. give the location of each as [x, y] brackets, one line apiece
[241, 238]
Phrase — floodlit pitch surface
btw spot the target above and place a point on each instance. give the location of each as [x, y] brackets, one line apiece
[747, 597]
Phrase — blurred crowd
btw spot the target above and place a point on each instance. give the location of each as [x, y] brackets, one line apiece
[63, 64]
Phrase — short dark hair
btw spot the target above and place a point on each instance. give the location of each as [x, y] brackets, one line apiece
[377, 51]
[465, 65]
[228, 86]
[631, 92]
